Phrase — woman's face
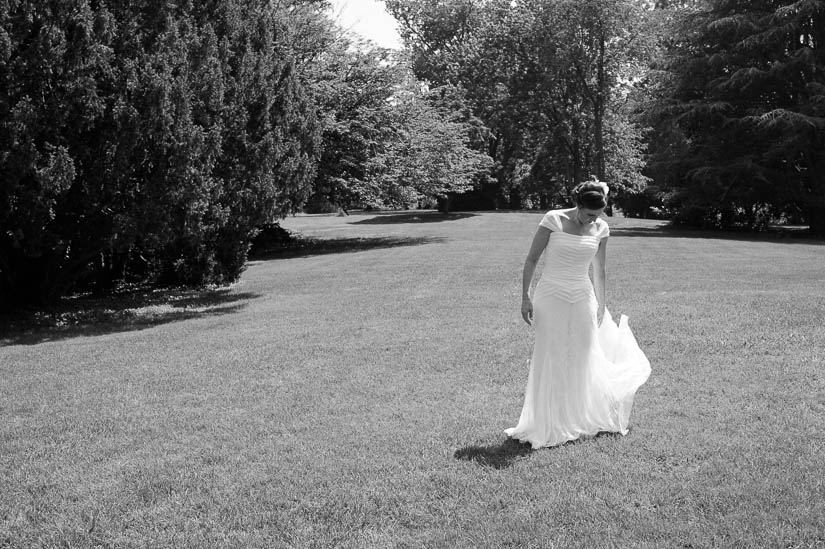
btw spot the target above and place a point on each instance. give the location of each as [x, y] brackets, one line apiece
[586, 215]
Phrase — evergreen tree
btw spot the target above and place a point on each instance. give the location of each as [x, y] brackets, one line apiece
[145, 140]
[747, 115]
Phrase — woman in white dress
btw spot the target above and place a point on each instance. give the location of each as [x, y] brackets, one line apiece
[585, 368]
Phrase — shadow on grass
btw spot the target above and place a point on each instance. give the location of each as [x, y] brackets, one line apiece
[778, 235]
[135, 310]
[304, 247]
[503, 455]
[389, 218]
[498, 456]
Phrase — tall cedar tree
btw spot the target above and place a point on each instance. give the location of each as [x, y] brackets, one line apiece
[749, 101]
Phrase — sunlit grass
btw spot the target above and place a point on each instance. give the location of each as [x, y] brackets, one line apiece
[354, 395]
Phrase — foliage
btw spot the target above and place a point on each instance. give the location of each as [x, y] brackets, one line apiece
[386, 141]
[743, 118]
[428, 155]
[546, 78]
[144, 141]
[352, 85]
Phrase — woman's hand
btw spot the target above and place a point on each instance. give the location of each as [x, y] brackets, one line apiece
[527, 310]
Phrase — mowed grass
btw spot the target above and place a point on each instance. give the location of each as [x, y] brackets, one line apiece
[354, 394]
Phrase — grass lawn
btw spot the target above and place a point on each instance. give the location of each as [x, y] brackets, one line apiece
[353, 394]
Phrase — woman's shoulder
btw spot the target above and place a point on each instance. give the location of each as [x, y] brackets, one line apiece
[552, 219]
[602, 228]
[561, 213]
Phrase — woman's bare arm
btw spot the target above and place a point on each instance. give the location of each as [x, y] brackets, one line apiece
[536, 248]
[599, 277]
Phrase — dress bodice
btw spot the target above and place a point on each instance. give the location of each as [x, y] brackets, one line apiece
[567, 260]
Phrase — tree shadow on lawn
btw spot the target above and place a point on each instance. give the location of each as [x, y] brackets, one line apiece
[135, 310]
[504, 454]
[308, 246]
[778, 236]
[389, 218]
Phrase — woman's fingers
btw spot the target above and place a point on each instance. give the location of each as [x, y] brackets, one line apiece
[527, 313]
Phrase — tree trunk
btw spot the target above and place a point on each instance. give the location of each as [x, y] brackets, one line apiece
[599, 108]
[576, 158]
[816, 219]
[514, 200]
[816, 201]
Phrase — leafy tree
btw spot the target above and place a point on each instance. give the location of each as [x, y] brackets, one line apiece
[441, 36]
[428, 157]
[447, 48]
[578, 59]
[543, 76]
[352, 87]
[385, 142]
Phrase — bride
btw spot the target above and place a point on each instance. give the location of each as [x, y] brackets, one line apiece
[585, 368]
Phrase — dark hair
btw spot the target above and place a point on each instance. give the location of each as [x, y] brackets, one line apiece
[591, 195]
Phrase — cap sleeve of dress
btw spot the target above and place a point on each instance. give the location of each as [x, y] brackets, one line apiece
[551, 221]
[604, 229]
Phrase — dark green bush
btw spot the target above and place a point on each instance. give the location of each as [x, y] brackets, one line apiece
[144, 140]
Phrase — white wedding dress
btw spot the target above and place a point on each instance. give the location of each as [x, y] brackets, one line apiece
[583, 376]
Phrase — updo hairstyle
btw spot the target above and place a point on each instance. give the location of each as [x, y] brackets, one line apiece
[591, 195]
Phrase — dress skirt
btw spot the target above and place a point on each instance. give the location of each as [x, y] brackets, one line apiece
[583, 377]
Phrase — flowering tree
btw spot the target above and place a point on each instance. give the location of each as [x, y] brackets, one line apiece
[427, 157]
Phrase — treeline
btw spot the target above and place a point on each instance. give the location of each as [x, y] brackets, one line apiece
[148, 141]
[709, 113]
